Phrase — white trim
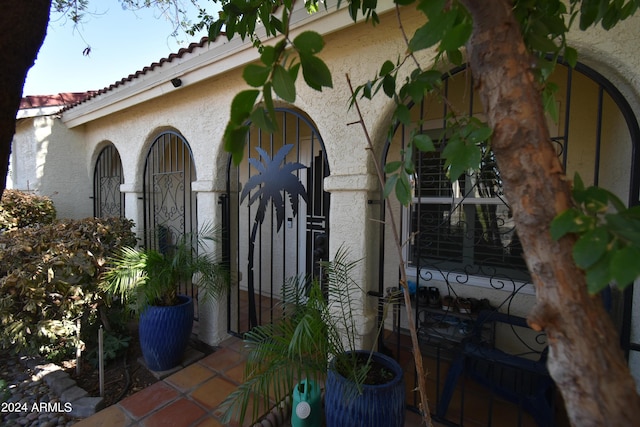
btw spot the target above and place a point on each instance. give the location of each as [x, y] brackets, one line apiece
[472, 280]
[26, 113]
[203, 63]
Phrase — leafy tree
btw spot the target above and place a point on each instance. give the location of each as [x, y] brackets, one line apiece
[501, 40]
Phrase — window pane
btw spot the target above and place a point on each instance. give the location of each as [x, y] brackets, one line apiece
[465, 226]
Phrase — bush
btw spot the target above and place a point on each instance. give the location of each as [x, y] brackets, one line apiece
[19, 210]
[49, 281]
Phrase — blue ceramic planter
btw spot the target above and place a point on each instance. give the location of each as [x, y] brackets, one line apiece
[164, 334]
[377, 406]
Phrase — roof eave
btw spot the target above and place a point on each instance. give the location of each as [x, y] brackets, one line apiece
[220, 56]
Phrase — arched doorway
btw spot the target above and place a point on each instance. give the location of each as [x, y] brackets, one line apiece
[461, 238]
[108, 201]
[277, 215]
[169, 204]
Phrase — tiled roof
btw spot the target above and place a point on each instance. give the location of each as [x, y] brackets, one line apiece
[58, 100]
[145, 70]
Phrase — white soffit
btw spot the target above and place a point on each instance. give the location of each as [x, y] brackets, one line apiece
[202, 63]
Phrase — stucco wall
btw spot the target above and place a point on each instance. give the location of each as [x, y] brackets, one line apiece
[49, 159]
[200, 111]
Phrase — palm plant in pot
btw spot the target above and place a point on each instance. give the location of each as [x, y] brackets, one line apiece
[315, 340]
[147, 282]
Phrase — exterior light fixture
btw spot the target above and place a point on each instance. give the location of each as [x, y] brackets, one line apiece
[176, 82]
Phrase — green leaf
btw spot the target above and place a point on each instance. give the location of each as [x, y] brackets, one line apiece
[255, 75]
[616, 202]
[588, 13]
[268, 55]
[590, 247]
[268, 100]
[293, 71]
[566, 222]
[431, 32]
[389, 85]
[403, 189]
[260, 118]
[596, 200]
[455, 56]
[625, 226]
[461, 157]
[391, 167]
[599, 276]
[242, 105]
[456, 37]
[315, 72]
[578, 184]
[234, 141]
[423, 142]
[408, 161]
[386, 68]
[283, 84]
[571, 56]
[309, 42]
[480, 134]
[402, 114]
[215, 29]
[625, 265]
[389, 185]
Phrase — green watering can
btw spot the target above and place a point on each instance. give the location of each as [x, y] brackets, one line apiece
[307, 405]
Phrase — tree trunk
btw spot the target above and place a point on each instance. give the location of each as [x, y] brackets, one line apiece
[23, 25]
[585, 359]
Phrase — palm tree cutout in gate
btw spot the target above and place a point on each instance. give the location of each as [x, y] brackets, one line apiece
[275, 177]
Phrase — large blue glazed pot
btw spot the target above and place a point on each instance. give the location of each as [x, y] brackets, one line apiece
[377, 406]
[164, 333]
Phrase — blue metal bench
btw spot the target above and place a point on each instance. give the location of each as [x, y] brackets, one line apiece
[515, 378]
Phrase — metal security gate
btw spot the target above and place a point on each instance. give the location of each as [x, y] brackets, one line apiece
[169, 204]
[277, 216]
[108, 201]
[464, 256]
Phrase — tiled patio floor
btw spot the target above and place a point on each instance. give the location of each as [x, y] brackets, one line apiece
[189, 397]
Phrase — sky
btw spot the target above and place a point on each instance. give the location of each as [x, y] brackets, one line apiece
[122, 42]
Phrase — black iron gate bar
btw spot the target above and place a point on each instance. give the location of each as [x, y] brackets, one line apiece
[562, 141]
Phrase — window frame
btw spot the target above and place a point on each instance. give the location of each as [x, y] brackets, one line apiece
[502, 277]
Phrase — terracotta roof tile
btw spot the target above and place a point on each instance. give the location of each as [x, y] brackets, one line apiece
[137, 74]
[60, 99]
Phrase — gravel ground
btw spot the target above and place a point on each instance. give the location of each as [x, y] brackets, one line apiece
[27, 401]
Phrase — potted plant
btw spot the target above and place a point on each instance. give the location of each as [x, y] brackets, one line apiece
[147, 282]
[315, 340]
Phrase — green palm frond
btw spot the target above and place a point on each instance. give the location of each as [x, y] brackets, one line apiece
[318, 324]
[150, 277]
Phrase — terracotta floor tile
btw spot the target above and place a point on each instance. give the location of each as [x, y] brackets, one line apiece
[233, 343]
[212, 392]
[152, 397]
[236, 373]
[112, 416]
[248, 414]
[189, 377]
[209, 422]
[222, 359]
[181, 413]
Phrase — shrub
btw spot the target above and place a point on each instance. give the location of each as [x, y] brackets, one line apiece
[19, 209]
[49, 280]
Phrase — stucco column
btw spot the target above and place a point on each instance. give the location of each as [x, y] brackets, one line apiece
[354, 228]
[134, 208]
[212, 314]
